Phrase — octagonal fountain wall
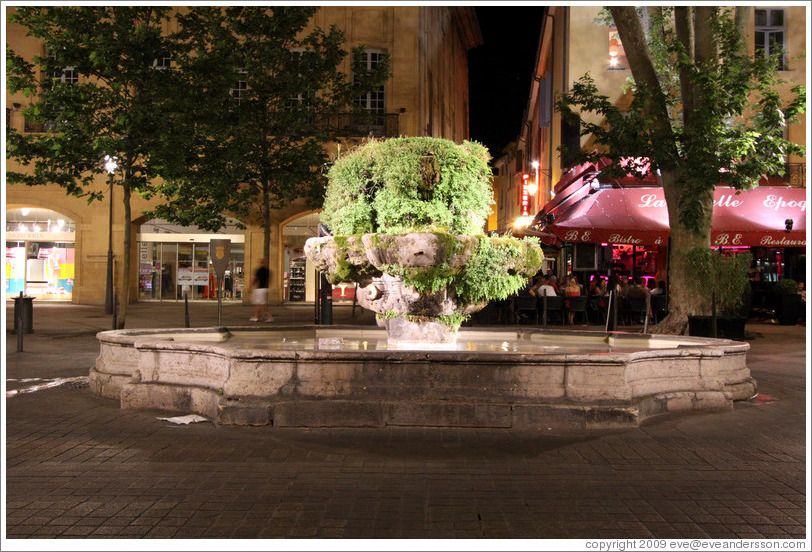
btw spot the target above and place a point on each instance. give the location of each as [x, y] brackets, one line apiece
[349, 376]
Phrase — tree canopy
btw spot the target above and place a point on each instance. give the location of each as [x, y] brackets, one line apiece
[704, 112]
[217, 109]
[255, 94]
[96, 93]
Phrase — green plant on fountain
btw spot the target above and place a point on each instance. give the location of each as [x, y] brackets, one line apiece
[407, 217]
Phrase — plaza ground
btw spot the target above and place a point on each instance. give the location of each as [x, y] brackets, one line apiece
[77, 466]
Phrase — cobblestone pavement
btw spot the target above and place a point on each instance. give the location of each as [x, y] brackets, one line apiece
[78, 466]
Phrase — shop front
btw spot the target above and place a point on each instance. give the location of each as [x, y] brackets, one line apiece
[40, 254]
[300, 279]
[174, 262]
[604, 226]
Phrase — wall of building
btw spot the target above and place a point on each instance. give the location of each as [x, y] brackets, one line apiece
[572, 44]
[428, 90]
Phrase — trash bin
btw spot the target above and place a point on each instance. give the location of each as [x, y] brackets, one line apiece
[24, 307]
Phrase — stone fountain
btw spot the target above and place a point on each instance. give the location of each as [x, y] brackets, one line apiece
[406, 216]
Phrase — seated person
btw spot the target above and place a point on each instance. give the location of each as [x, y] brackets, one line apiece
[543, 288]
[637, 289]
[660, 289]
[600, 287]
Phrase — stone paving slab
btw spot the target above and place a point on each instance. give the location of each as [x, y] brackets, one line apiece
[78, 466]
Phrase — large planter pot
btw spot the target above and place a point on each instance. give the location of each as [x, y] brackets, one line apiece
[397, 276]
[788, 309]
[726, 328]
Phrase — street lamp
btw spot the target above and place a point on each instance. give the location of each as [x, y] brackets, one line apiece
[533, 187]
[110, 165]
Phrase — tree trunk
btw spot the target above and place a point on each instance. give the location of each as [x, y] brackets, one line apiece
[683, 299]
[684, 25]
[743, 25]
[124, 296]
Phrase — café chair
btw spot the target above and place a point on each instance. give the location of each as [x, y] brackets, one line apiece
[638, 309]
[554, 306]
[577, 304]
[524, 308]
[659, 307]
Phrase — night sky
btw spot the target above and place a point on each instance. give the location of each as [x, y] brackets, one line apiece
[500, 72]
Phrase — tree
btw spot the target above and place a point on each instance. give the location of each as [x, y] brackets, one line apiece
[703, 112]
[262, 90]
[95, 92]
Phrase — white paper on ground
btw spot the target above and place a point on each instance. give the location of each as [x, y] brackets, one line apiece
[185, 419]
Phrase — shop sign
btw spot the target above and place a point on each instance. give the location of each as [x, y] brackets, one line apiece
[193, 277]
[777, 202]
[728, 239]
[525, 201]
[770, 241]
[220, 253]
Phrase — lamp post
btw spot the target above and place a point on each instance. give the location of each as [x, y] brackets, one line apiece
[537, 184]
[110, 166]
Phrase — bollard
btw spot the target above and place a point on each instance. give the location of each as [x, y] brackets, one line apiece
[611, 313]
[186, 306]
[317, 302]
[326, 301]
[115, 311]
[18, 325]
[648, 308]
[24, 307]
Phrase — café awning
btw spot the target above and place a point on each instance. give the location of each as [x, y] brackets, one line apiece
[764, 216]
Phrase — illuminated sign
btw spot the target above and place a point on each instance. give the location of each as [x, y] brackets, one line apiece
[525, 201]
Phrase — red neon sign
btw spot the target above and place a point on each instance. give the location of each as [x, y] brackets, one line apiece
[525, 202]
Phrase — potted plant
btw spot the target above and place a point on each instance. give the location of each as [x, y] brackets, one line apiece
[788, 302]
[406, 217]
[721, 283]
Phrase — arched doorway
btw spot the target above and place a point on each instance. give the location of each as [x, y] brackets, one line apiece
[299, 277]
[174, 261]
[40, 254]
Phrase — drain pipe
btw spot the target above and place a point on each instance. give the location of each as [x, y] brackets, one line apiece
[550, 140]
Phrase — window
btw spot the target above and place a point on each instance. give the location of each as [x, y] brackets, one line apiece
[617, 55]
[239, 90]
[373, 101]
[67, 75]
[770, 34]
[162, 62]
[296, 101]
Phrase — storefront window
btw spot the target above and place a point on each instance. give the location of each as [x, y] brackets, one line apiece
[40, 254]
[175, 260]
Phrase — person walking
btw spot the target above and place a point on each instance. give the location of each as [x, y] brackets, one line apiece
[259, 292]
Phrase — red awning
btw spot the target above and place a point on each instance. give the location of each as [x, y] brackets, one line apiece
[639, 216]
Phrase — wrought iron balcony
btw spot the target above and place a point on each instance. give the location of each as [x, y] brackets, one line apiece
[380, 125]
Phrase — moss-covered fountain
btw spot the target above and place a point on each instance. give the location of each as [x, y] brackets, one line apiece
[407, 217]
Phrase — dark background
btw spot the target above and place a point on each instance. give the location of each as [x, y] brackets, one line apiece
[500, 72]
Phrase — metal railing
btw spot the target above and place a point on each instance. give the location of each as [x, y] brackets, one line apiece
[381, 125]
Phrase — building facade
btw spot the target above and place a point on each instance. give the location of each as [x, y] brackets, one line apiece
[56, 245]
[573, 43]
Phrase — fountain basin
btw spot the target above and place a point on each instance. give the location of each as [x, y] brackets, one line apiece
[350, 376]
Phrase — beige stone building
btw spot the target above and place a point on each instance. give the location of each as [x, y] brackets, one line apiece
[572, 44]
[56, 245]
